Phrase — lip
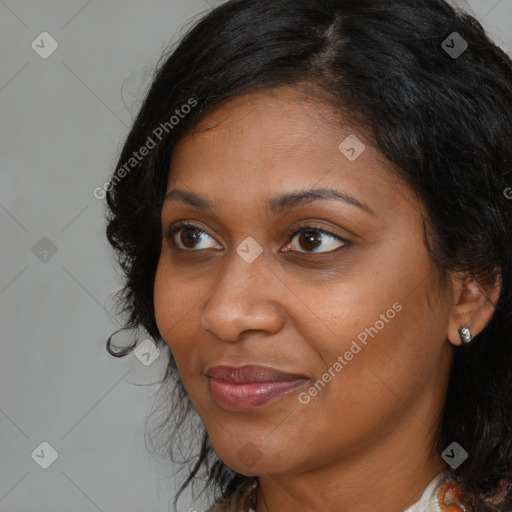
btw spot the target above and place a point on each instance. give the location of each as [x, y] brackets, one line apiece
[250, 386]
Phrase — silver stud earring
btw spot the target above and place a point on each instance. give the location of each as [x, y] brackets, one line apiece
[465, 335]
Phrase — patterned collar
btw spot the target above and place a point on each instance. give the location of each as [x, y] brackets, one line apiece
[441, 495]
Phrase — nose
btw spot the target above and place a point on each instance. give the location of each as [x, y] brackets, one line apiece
[246, 298]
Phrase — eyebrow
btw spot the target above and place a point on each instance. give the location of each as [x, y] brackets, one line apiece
[275, 205]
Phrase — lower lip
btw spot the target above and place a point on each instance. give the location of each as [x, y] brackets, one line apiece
[241, 396]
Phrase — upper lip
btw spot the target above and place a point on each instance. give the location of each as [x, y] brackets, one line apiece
[251, 373]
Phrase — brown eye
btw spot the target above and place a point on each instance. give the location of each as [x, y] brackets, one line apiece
[187, 236]
[311, 238]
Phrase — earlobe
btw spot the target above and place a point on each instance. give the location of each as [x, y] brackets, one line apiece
[474, 306]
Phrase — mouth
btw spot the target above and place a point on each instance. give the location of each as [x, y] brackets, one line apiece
[250, 386]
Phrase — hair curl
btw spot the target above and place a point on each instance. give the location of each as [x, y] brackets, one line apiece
[446, 125]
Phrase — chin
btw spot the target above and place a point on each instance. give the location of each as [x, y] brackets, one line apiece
[246, 458]
[264, 466]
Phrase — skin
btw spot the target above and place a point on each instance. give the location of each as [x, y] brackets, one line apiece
[364, 442]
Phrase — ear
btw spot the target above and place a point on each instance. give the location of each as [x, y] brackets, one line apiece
[473, 305]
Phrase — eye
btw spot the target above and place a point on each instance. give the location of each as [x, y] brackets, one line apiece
[311, 238]
[189, 235]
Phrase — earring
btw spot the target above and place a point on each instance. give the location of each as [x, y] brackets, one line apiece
[465, 335]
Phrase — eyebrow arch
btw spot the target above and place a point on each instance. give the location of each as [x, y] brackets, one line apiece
[278, 204]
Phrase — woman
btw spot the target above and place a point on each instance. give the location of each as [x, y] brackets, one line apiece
[311, 214]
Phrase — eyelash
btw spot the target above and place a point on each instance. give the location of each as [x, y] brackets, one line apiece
[290, 233]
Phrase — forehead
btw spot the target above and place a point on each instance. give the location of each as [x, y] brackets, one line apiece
[275, 141]
[284, 118]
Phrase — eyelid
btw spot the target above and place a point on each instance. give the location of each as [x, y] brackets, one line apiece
[313, 227]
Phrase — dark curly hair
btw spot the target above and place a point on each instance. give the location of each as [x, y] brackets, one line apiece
[443, 121]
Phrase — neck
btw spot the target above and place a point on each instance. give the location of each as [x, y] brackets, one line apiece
[391, 476]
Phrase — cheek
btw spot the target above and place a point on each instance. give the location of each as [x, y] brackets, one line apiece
[387, 330]
[175, 306]
[169, 300]
[366, 390]
[161, 298]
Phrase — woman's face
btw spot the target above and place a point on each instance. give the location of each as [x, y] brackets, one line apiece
[346, 309]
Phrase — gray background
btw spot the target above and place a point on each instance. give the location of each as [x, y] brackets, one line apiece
[63, 120]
